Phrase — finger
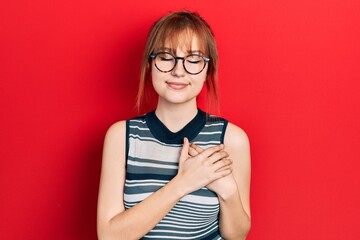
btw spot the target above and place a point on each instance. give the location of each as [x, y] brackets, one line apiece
[225, 167]
[224, 173]
[218, 156]
[192, 151]
[197, 148]
[223, 163]
[184, 151]
[211, 150]
[220, 174]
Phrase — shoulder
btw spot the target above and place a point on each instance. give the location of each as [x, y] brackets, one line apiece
[237, 144]
[119, 128]
[116, 130]
[235, 136]
[115, 142]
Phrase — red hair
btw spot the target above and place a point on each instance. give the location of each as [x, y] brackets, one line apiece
[167, 30]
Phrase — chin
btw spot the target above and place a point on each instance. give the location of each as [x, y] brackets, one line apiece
[177, 100]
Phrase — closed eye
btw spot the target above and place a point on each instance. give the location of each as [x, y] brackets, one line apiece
[194, 61]
[166, 59]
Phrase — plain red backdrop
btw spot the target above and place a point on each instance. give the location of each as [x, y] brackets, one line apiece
[289, 76]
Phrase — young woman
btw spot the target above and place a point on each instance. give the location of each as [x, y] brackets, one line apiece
[176, 172]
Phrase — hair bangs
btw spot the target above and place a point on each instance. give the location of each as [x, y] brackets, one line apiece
[173, 38]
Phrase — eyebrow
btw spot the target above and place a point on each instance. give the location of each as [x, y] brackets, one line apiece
[189, 52]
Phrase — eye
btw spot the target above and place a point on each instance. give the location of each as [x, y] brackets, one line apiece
[194, 59]
[165, 57]
[193, 62]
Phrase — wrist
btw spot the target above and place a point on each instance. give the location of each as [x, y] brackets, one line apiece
[178, 187]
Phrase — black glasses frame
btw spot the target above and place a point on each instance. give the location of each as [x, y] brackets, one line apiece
[206, 60]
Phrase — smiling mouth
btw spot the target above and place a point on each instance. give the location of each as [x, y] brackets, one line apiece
[177, 85]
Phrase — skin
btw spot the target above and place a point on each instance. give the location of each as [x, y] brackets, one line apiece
[225, 169]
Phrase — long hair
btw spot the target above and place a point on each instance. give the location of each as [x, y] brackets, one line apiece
[168, 29]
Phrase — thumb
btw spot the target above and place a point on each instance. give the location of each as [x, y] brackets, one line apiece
[184, 151]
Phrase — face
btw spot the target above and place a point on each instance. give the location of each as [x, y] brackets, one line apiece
[178, 86]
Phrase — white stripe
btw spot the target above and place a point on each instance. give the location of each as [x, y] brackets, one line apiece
[147, 180]
[180, 224]
[182, 237]
[187, 232]
[209, 206]
[140, 128]
[152, 139]
[153, 165]
[200, 199]
[182, 215]
[207, 143]
[214, 124]
[196, 208]
[210, 133]
[143, 184]
[136, 120]
[186, 221]
[153, 151]
[184, 227]
[184, 211]
[136, 197]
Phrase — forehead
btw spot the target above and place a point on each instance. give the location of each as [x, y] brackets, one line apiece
[186, 41]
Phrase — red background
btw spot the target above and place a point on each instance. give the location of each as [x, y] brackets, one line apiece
[289, 76]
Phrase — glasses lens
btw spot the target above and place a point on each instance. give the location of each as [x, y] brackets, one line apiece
[165, 62]
[194, 64]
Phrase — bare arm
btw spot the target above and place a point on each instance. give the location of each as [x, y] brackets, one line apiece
[235, 217]
[113, 221]
[233, 190]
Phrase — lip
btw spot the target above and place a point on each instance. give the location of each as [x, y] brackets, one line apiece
[177, 85]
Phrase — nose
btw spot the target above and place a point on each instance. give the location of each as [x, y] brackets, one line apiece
[179, 70]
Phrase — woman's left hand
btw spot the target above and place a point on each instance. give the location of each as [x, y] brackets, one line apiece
[223, 186]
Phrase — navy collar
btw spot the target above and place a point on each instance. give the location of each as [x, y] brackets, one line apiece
[163, 134]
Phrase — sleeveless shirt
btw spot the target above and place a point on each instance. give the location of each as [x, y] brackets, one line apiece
[152, 153]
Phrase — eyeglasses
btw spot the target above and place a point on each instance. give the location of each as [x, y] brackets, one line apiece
[166, 62]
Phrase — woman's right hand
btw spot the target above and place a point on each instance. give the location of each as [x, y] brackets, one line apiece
[198, 171]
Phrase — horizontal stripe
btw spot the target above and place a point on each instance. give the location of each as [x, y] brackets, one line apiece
[151, 139]
[189, 213]
[210, 133]
[140, 128]
[212, 143]
[182, 236]
[187, 232]
[152, 163]
[178, 223]
[214, 124]
[137, 121]
[134, 176]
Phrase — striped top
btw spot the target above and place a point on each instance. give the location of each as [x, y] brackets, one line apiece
[152, 161]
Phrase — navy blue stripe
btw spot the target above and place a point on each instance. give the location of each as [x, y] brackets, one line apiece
[162, 139]
[132, 176]
[213, 235]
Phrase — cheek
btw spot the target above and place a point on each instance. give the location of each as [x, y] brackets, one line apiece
[154, 75]
[200, 78]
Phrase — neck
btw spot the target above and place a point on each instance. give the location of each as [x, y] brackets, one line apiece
[176, 116]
